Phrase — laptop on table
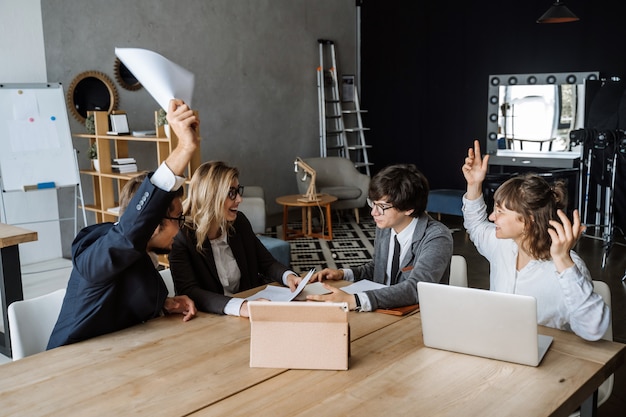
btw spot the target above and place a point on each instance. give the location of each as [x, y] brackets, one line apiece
[482, 323]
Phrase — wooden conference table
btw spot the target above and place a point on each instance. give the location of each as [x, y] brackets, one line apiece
[201, 368]
[10, 275]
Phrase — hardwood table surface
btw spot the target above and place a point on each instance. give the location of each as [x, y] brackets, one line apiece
[165, 367]
[12, 235]
[391, 371]
[161, 367]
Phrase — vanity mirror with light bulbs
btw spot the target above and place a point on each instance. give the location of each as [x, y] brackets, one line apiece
[530, 117]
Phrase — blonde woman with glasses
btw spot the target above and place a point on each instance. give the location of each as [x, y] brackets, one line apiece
[216, 253]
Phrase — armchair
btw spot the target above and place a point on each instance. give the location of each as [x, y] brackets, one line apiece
[337, 176]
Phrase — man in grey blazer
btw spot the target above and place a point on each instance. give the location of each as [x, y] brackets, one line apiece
[398, 195]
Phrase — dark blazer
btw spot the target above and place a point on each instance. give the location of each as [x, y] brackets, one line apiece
[114, 284]
[195, 273]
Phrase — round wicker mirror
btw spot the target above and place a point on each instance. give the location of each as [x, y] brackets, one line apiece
[124, 77]
[91, 90]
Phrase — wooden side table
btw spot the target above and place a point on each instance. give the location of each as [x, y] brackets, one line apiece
[325, 200]
[10, 275]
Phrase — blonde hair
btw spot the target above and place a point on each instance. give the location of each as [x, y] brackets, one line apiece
[207, 193]
[536, 201]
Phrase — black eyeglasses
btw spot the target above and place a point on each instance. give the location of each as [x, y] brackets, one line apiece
[232, 192]
[381, 208]
[180, 219]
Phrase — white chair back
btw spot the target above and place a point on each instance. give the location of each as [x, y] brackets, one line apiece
[604, 391]
[458, 271]
[31, 322]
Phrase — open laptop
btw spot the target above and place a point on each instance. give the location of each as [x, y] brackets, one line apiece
[482, 323]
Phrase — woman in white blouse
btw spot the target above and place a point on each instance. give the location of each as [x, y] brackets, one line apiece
[527, 240]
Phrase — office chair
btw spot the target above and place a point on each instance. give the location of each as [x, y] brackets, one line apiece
[458, 271]
[31, 322]
[604, 390]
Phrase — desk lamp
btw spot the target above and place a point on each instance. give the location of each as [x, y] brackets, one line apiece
[311, 194]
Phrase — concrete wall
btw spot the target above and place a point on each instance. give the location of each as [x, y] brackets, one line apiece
[254, 60]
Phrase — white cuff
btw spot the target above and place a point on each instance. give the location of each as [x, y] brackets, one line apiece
[233, 306]
[165, 179]
[285, 275]
[348, 275]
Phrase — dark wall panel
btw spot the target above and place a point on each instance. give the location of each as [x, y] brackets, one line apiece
[426, 67]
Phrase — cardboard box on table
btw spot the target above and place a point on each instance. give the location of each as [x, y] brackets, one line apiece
[299, 335]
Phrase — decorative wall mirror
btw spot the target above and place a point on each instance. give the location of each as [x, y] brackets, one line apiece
[124, 77]
[91, 90]
[531, 113]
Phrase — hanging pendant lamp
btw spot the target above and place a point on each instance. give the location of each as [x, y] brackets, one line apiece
[558, 13]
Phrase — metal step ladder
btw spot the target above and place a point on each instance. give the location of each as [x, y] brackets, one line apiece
[335, 138]
[332, 133]
[355, 131]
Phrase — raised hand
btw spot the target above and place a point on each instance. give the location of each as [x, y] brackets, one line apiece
[475, 170]
[564, 235]
[185, 124]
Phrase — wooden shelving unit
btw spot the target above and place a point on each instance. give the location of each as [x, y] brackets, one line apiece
[107, 184]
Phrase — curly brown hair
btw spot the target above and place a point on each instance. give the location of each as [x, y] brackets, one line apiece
[536, 201]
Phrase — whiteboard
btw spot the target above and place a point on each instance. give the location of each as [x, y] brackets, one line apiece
[35, 138]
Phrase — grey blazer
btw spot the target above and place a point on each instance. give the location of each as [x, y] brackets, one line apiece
[428, 260]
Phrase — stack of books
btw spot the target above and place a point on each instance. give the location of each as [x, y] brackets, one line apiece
[124, 165]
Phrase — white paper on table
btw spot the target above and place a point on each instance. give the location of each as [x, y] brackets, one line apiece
[274, 293]
[315, 288]
[362, 285]
[162, 78]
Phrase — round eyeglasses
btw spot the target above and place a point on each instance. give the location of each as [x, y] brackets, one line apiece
[232, 192]
[180, 219]
[379, 207]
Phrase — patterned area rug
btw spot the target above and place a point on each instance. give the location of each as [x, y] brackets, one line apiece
[352, 245]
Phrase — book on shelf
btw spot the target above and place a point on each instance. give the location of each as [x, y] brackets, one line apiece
[124, 168]
[144, 133]
[124, 161]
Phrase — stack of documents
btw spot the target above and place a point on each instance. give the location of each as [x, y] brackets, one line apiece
[124, 165]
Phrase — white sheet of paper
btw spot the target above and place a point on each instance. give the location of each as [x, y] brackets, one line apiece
[162, 78]
[316, 288]
[362, 285]
[274, 293]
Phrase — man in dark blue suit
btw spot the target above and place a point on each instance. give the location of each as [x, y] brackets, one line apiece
[114, 282]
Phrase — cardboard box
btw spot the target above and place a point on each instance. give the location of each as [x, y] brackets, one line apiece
[299, 335]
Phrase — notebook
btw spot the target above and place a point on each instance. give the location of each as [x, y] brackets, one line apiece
[482, 323]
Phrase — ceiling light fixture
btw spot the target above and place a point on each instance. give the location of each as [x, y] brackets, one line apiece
[558, 13]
